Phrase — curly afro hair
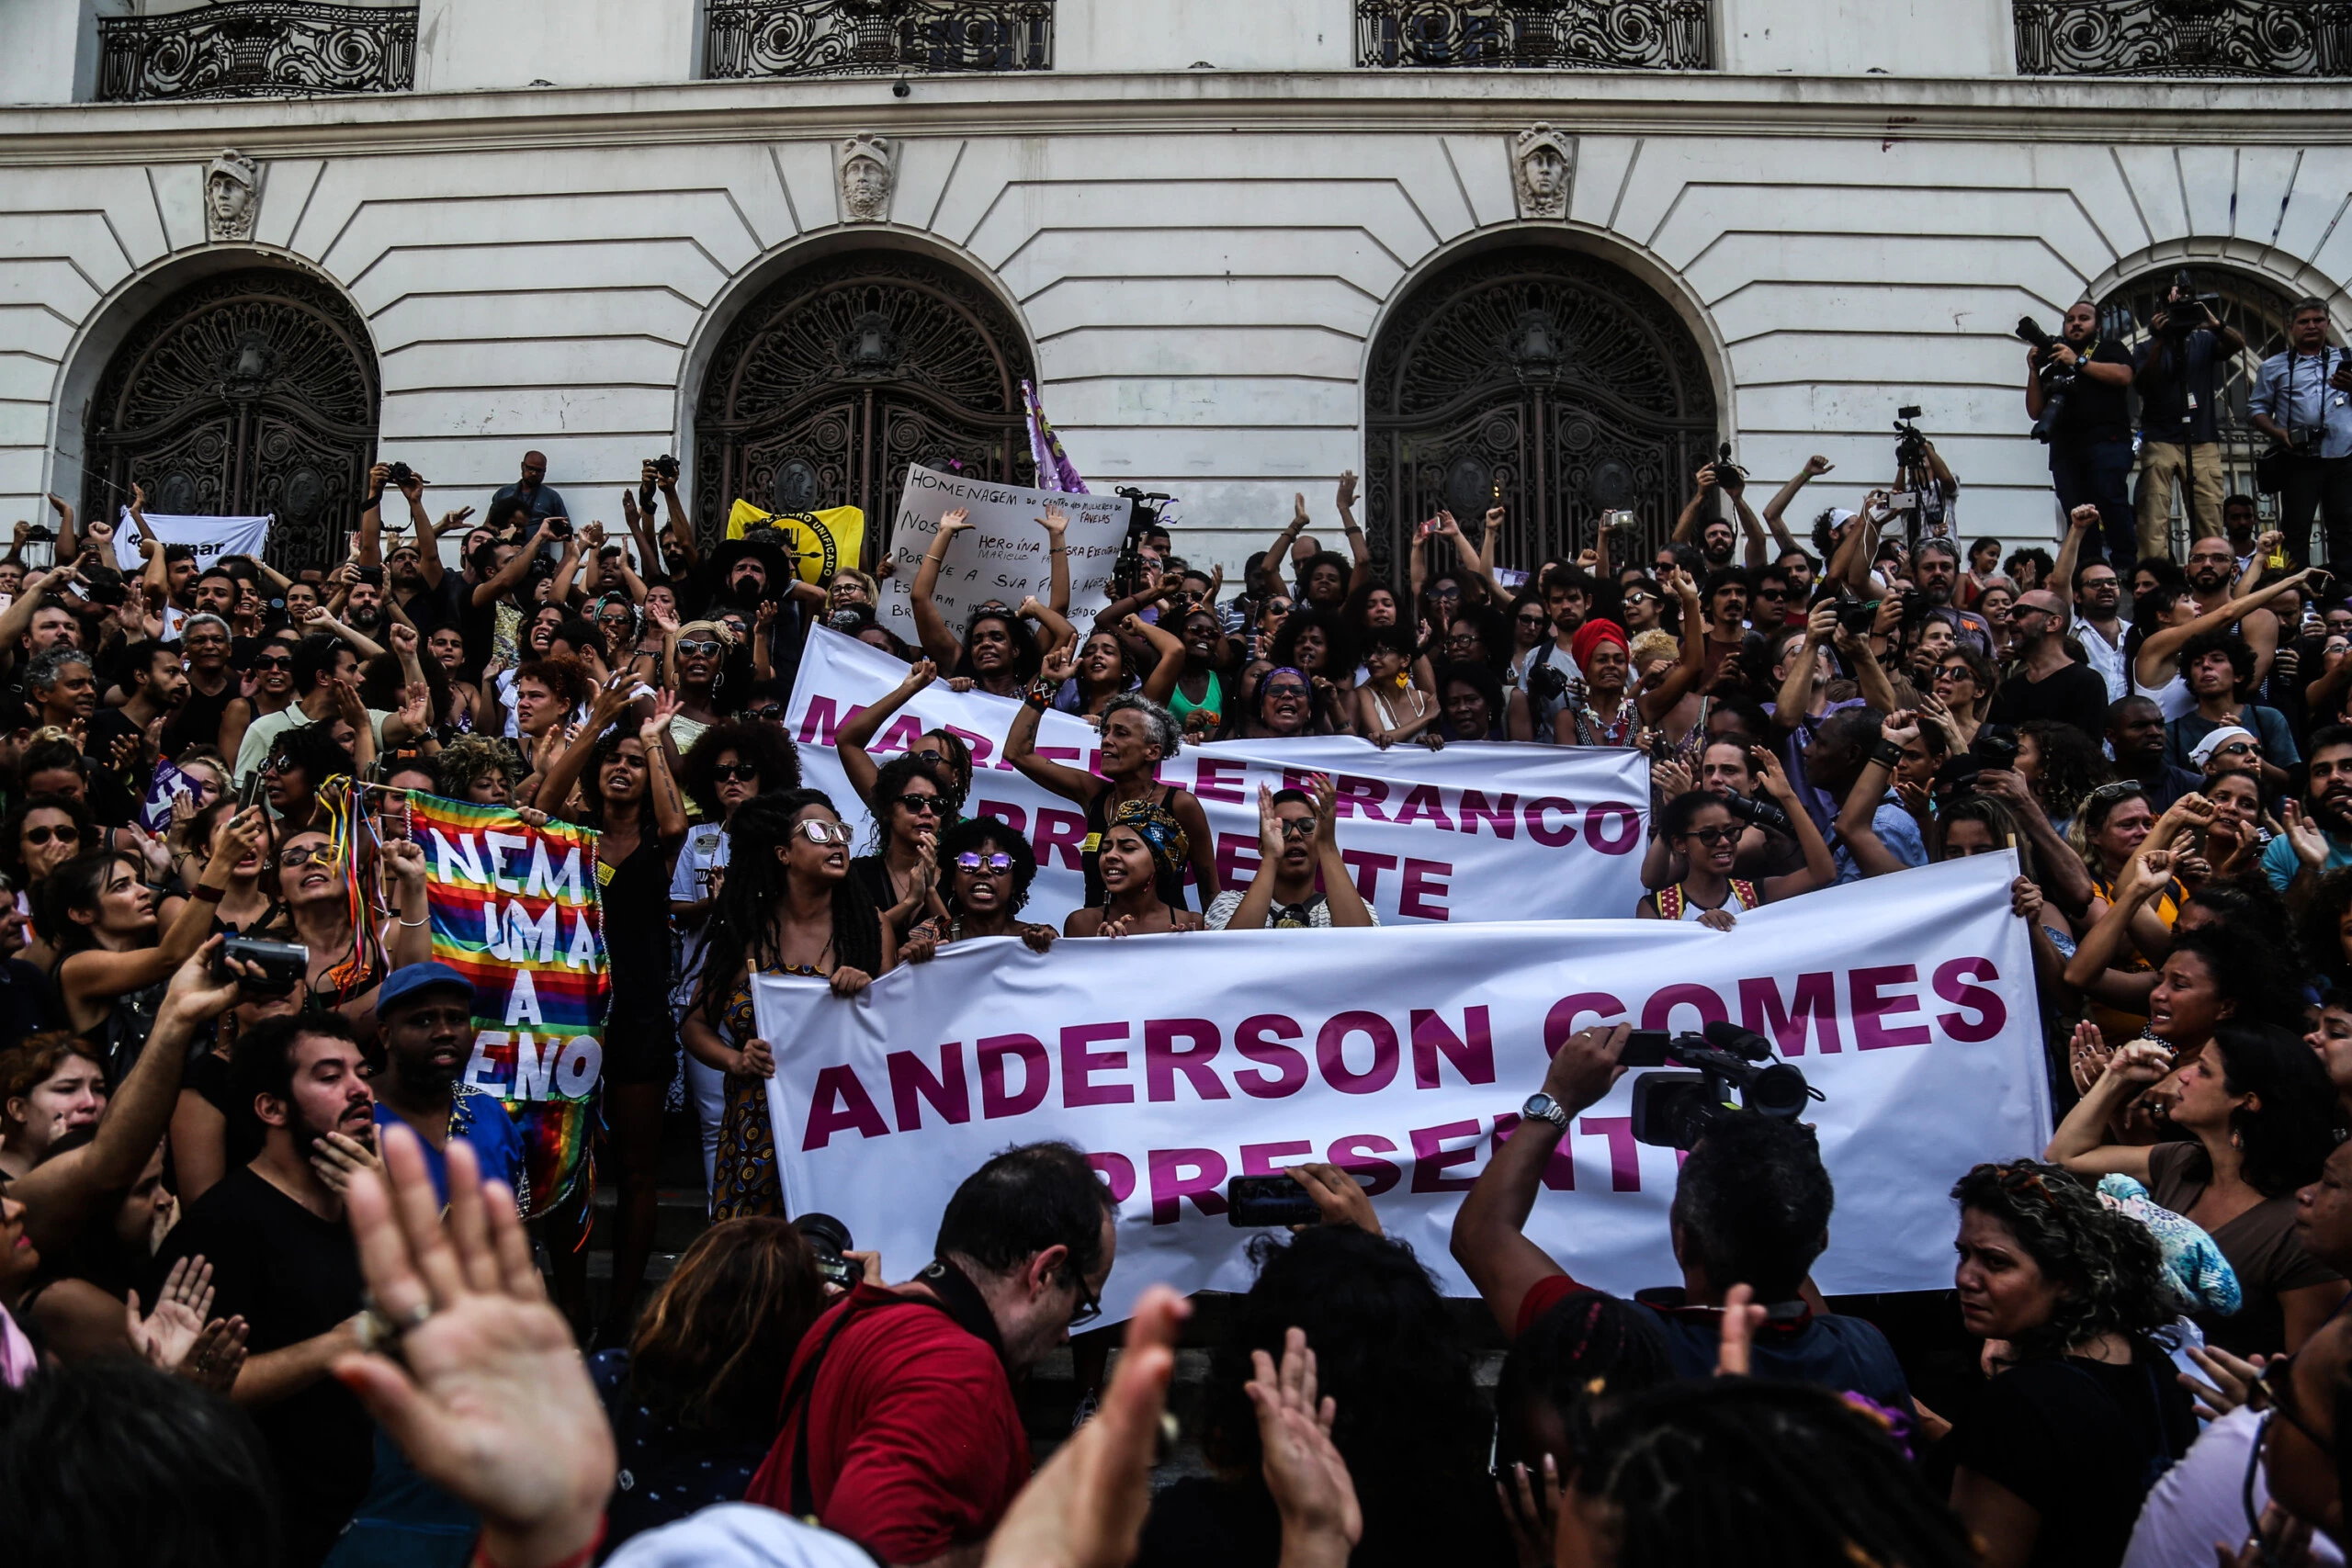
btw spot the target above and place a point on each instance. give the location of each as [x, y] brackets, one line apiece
[2109, 1266]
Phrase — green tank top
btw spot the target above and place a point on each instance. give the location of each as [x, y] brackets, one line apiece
[1212, 701]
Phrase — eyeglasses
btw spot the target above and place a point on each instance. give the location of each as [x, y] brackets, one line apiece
[701, 645]
[68, 834]
[1090, 1306]
[1535, 620]
[818, 831]
[1297, 827]
[735, 772]
[321, 855]
[972, 859]
[1445, 593]
[934, 756]
[1711, 836]
[928, 805]
[272, 661]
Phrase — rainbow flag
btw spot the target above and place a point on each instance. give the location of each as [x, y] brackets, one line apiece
[516, 909]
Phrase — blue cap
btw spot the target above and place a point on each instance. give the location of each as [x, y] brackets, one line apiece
[408, 979]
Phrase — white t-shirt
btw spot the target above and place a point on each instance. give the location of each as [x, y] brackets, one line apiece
[1317, 912]
[2196, 1503]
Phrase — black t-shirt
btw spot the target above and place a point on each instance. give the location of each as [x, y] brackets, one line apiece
[442, 606]
[197, 721]
[636, 899]
[2095, 410]
[2166, 410]
[107, 727]
[292, 1276]
[2073, 694]
[2080, 1442]
[28, 1003]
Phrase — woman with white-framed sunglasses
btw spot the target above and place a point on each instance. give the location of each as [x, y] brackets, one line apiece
[985, 870]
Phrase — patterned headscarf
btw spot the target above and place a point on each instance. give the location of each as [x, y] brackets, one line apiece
[1160, 830]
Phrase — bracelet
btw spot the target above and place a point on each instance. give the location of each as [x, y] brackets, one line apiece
[204, 895]
[1886, 753]
[413, 924]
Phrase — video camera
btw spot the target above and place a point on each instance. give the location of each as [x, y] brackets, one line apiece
[1910, 446]
[2184, 292]
[1730, 478]
[1143, 509]
[1673, 1110]
[1758, 812]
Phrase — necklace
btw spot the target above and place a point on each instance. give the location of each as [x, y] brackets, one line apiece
[1594, 730]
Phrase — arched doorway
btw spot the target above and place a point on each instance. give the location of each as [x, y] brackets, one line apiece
[1541, 379]
[2259, 311]
[249, 392]
[835, 380]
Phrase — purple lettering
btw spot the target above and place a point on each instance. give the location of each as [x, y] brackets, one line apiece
[1658, 1011]
[1559, 1169]
[1561, 1021]
[1354, 1156]
[1118, 1173]
[1421, 886]
[1210, 782]
[1624, 1154]
[910, 1081]
[1474, 1059]
[1432, 1158]
[1059, 832]
[1950, 983]
[1257, 1041]
[993, 1054]
[1330, 1053]
[1762, 1009]
[1179, 1174]
[1079, 1066]
[1421, 805]
[1351, 793]
[839, 1104]
[1162, 1061]
[1543, 833]
[1257, 1159]
[1366, 869]
[821, 724]
[1629, 824]
[1870, 1002]
[1502, 818]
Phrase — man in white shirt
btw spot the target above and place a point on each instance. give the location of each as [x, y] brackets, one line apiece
[2095, 593]
[1295, 839]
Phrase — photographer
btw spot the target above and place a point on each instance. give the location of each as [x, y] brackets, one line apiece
[2179, 374]
[2303, 399]
[535, 498]
[899, 1427]
[1751, 1207]
[2080, 382]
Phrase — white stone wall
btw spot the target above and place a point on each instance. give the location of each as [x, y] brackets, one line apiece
[1201, 258]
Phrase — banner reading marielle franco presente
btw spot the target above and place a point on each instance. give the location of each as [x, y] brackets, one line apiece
[1003, 556]
[516, 909]
[1179, 1060]
[1473, 833]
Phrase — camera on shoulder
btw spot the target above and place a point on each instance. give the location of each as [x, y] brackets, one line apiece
[1673, 1110]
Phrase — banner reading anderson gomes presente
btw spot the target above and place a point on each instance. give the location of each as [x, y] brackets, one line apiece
[1179, 1060]
[1476, 831]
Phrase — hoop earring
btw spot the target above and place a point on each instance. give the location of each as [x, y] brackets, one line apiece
[718, 679]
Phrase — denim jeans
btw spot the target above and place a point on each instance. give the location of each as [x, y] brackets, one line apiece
[2098, 473]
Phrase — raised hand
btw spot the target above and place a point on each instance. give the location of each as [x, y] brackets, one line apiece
[1770, 773]
[1346, 496]
[1311, 1487]
[922, 673]
[493, 1402]
[405, 857]
[665, 708]
[1060, 665]
[1818, 465]
[954, 522]
[1298, 509]
[2311, 843]
[1270, 827]
[1056, 521]
[169, 1331]
[217, 1357]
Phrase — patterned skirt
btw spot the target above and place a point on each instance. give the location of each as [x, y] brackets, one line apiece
[745, 1182]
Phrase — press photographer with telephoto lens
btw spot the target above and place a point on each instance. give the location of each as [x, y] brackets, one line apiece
[2076, 389]
[2177, 374]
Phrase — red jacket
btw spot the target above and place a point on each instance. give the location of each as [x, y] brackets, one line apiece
[914, 1442]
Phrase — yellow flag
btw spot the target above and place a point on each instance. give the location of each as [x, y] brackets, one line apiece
[824, 541]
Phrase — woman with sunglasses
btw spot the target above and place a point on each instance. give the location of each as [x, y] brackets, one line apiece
[788, 906]
[911, 806]
[313, 880]
[985, 870]
[2262, 1115]
[1139, 734]
[298, 767]
[268, 688]
[693, 665]
[1143, 850]
[942, 747]
[1388, 707]
[97, 914]
[1531, 631]
[998, 652]
[1700, 827]
[1204, 685]
[1962, 684]
[445, 646]
[41, 834]
[2054, 1456]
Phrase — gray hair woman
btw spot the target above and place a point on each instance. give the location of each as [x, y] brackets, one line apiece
[1137, 735]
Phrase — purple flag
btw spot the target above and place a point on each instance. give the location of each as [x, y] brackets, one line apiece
[1055, 471]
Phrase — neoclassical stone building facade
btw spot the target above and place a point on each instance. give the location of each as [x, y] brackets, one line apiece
[1551, 253]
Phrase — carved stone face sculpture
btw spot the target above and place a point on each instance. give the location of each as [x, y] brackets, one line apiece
[228, 187]
[865, 176]
[1545, 165]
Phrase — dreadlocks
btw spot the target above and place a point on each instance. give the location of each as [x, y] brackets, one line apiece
[743, 928]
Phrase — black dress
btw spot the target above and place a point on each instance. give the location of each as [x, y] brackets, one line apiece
[640, 1036]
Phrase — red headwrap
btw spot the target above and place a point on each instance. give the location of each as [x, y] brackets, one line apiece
[1591, 635]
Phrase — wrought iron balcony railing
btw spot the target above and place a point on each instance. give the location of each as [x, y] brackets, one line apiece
[1536, 35]
[876, 37]
[257, 48]
[2184, 38]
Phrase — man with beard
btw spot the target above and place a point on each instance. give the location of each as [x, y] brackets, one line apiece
[363, 604]
[1567, 598]
[2296, 854]
[1935, 572]
[283, 1260]
[2090, 439]
[215, 593]
[2219, 666]
[2212, 572]
[158, 687]
[425, 1011]
[2135, 737]
[2093, 592]
[2045, 682]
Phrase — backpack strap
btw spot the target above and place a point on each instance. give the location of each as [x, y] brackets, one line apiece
[1669, 902]
[1746, 895]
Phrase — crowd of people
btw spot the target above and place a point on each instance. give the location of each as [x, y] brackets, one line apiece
[260, 1255]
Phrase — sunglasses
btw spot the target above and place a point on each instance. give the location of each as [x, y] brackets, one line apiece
[69, 834]
[279, 766]
[826, 833]
[972, 859]
[1711, 836]
[735, 772]
[928, 805]
[1297, 827]
[272, 661]
[1286, 690]
[701, 645]
[771, 713]
[1641, 596]
[2238, 748]
[1535, 620]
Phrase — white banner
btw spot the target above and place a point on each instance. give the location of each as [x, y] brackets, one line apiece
[1180, 1061]
[1003, 556]
[1477, 831]
[209, 537]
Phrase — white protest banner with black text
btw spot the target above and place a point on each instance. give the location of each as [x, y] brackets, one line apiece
[209, 537]
[1180, 1061]
[1477, 831]
[1004, 556]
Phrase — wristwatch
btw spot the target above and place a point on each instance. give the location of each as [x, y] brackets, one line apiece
[1541, 1107]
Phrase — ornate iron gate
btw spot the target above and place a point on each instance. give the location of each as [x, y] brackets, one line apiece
[248, 393]
[837, 378]
[1545, 382]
